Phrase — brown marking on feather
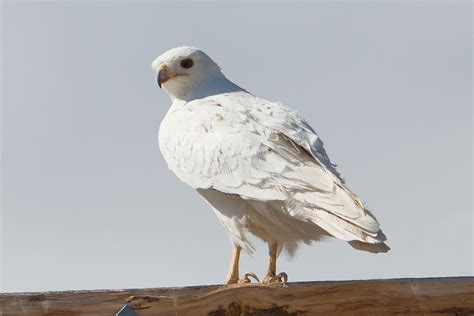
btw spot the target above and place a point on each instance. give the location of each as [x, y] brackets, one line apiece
[219, 117]
[205, 128]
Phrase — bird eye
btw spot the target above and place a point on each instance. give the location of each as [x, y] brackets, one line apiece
[187, 63]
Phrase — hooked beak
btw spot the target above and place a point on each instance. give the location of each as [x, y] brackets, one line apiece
[163, 75]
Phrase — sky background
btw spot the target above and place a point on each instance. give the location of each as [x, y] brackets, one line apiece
[88, 202]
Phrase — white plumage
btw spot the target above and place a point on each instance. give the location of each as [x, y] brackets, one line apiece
[259, 164]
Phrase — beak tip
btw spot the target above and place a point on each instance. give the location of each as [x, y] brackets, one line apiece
[162, 75]
[161, 79]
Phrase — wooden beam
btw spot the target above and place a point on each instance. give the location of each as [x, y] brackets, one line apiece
[428, 296]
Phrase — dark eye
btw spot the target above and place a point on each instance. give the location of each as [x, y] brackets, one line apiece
[187, 63]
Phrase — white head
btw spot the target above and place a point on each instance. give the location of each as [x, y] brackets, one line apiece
[188, 73]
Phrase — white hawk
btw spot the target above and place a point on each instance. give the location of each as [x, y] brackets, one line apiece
[259, 165]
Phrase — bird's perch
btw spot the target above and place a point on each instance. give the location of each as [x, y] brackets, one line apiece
[430, 296]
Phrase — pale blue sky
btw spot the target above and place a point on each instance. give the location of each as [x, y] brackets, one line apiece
[88, 203]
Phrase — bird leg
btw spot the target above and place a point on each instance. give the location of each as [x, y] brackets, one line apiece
[271, 276]
[233, 274]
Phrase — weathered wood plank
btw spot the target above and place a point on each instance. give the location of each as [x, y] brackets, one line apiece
[432, 296]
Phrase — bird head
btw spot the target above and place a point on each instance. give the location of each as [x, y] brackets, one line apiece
[184, 70]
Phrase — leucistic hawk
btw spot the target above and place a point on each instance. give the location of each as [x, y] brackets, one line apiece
[260, 166]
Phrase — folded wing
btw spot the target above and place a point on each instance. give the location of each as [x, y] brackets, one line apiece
[264, 151]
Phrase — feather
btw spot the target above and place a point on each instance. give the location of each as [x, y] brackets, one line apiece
[268, 159]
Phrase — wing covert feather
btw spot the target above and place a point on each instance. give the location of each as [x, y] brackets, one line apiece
[240, 144]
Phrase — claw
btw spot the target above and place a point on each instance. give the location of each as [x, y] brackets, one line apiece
[246, 279]
[282, 277]
[272, 278]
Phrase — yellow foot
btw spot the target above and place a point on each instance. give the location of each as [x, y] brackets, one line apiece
[272, 278]
[245, 279]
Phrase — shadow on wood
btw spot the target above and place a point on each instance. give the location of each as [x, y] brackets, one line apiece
[431, 296]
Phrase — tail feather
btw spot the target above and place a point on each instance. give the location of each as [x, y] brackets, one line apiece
[374, 248]
[343, 229]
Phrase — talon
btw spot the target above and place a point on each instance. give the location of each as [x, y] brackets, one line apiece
[246, 278]
[272, 278]
[282, 277]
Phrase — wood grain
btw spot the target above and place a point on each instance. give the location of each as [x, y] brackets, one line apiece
[431, 296]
